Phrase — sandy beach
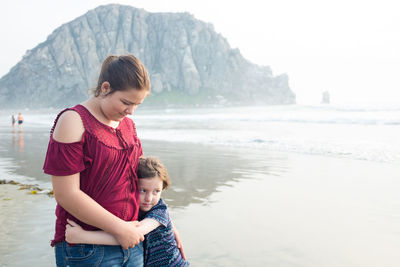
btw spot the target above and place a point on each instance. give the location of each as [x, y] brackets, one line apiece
[26, 227]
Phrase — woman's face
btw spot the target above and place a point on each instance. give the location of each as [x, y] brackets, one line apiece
[119, 104]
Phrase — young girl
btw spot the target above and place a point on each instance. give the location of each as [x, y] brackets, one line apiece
[160, 247]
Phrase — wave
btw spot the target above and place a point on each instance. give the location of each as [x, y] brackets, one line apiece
[279, 114]
[351, 148]
[296, 114]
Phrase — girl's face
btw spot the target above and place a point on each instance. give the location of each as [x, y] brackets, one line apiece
[121, 103]
[150, 192]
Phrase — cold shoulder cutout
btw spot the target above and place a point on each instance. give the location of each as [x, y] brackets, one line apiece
[68, 127]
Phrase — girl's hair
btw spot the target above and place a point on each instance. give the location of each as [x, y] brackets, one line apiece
[123, 72]
[151, 167]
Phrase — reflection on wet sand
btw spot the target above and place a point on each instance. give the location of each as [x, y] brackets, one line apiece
[25, 147]
[198, 171]
[20, 140]
[17, 137]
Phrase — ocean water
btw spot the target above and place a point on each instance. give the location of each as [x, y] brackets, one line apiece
[366, 133]
[369, 132]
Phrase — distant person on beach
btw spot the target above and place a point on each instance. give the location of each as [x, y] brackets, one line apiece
[160, 247]
[20, 118]
[12, 120]
[93, 155]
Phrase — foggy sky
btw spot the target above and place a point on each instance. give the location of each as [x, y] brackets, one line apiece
[350, 48]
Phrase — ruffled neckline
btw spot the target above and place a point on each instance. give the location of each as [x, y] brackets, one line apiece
[105, 125]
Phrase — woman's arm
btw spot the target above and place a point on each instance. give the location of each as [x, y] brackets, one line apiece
[67, 191]
[81, 206]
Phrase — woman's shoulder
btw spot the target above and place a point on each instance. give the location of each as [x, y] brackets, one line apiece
[69, 127]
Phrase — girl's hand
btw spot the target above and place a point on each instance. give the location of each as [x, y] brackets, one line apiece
[178, 241]
[128, 235]
[73, 232]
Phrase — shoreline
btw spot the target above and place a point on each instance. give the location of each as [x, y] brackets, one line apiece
[11, 192]
[33, 189]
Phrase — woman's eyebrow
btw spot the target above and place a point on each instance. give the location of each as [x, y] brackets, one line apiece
[128, 102]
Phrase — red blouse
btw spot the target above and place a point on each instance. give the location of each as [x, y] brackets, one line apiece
[107, 161]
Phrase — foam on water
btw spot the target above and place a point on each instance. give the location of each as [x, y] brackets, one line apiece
[367, 133]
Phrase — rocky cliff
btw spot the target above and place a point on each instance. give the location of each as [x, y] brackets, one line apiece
[188, 62]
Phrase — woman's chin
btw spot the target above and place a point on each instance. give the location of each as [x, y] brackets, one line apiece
[120, 117]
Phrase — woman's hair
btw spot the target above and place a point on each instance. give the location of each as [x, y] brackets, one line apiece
[123, 72]
[151, 167]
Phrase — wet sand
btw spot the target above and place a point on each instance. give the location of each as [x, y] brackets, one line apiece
[320, 211]
[26, 227]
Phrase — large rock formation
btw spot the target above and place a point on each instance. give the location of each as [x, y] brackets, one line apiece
[188, 62]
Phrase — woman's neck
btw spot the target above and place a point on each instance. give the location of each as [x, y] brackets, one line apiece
[94, 106]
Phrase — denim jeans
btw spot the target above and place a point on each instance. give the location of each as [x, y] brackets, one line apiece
[98, 255]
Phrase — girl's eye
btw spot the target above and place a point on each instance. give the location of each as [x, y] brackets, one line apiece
[142, 191]
[157, 191]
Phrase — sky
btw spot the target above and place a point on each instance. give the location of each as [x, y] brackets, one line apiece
[350, 48]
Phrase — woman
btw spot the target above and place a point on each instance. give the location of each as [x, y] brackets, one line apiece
[93, 154]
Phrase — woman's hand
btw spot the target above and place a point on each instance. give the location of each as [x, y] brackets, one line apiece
[178, 241]
[128, 235]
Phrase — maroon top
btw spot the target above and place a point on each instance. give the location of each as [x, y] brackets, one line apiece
[107, 161]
